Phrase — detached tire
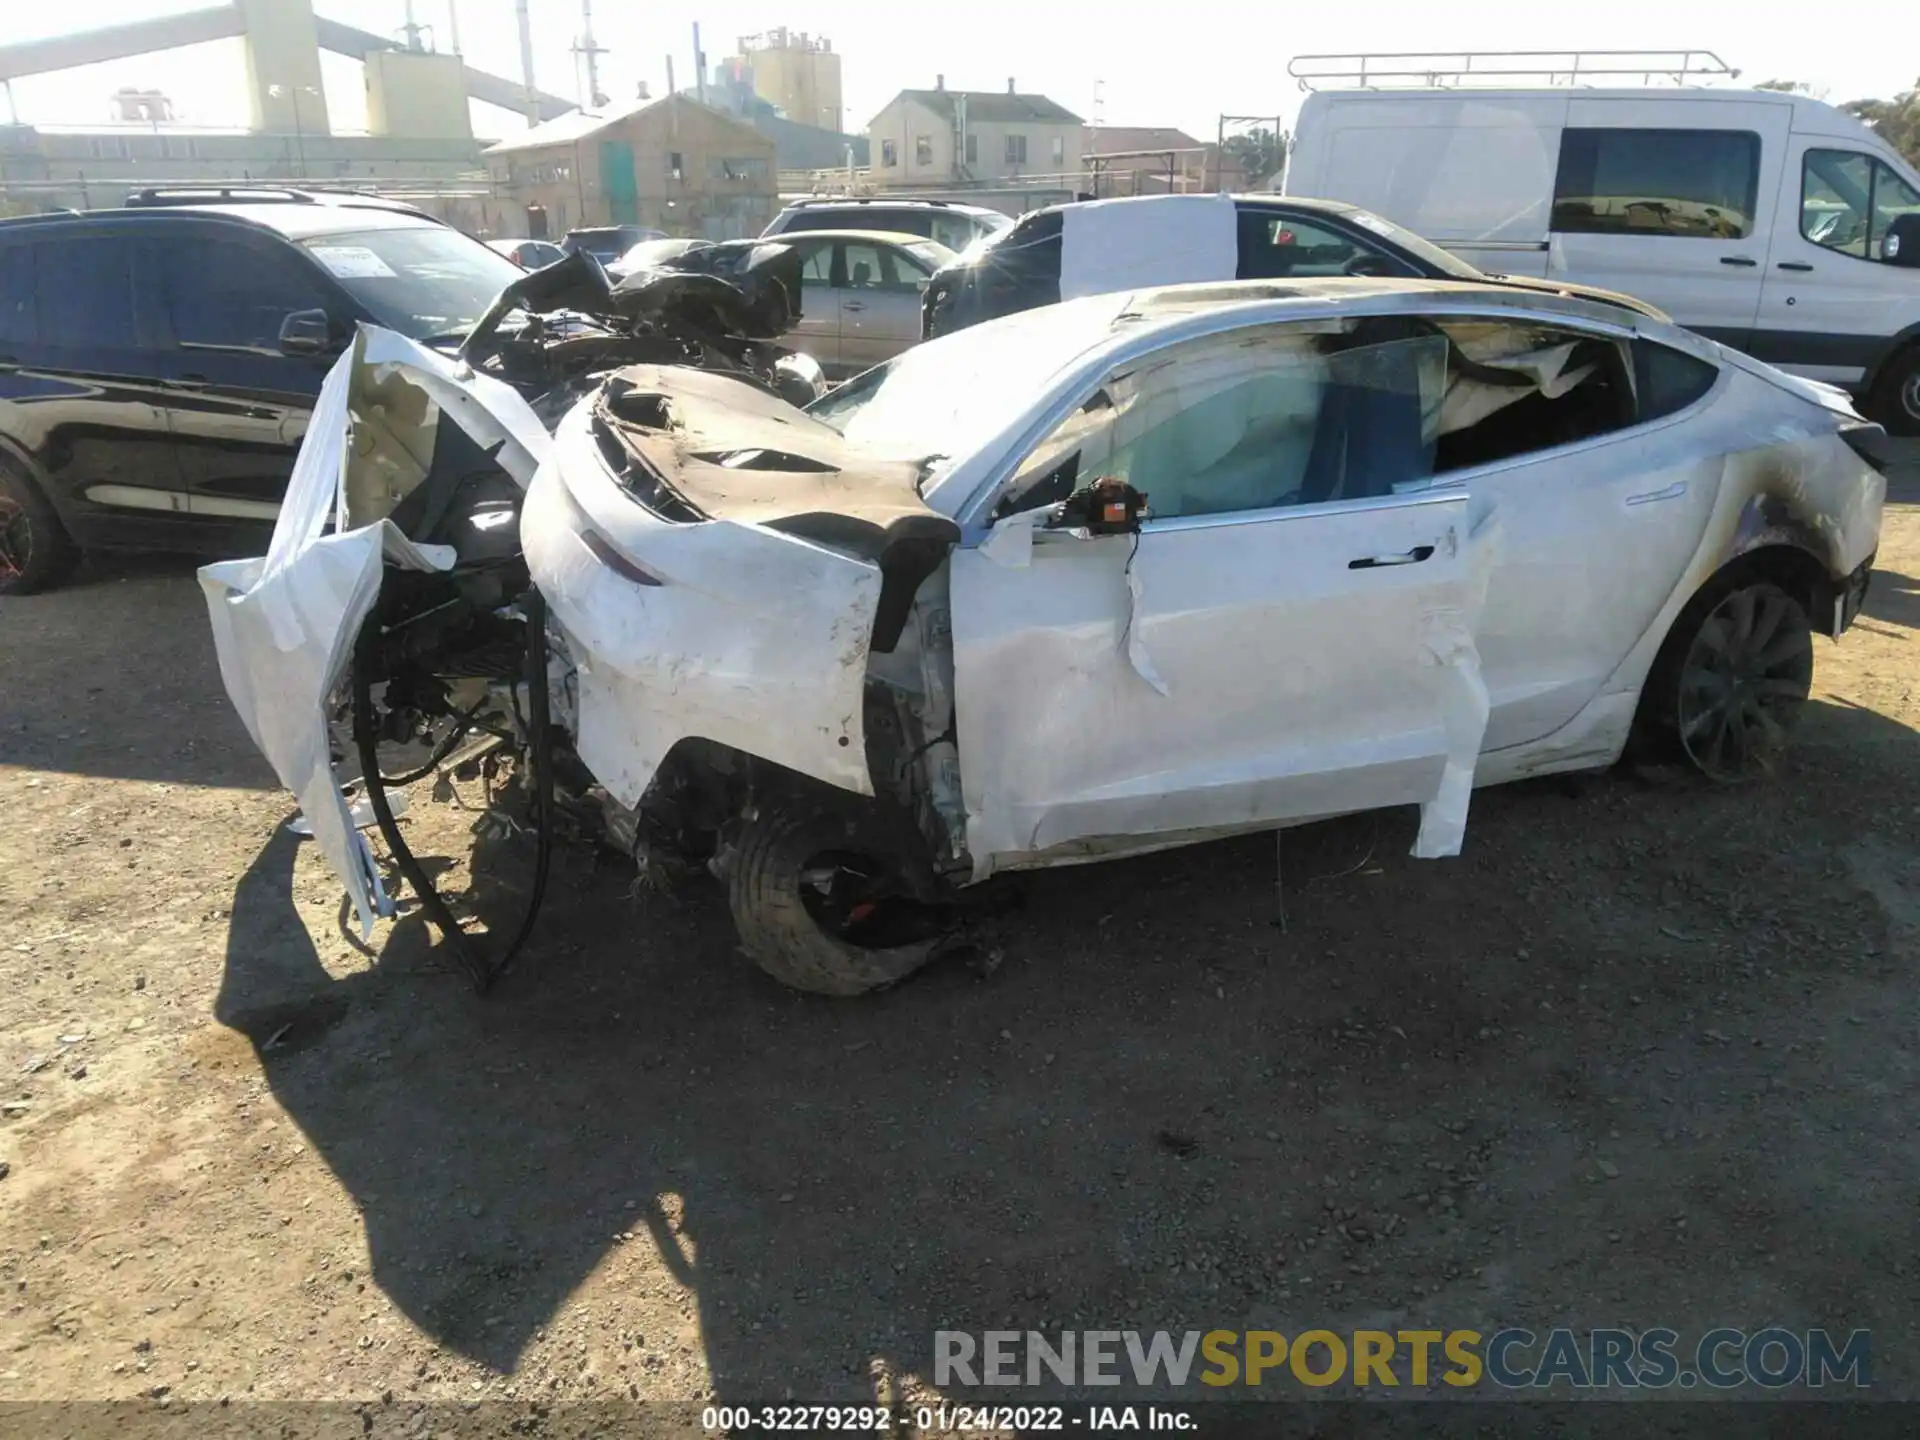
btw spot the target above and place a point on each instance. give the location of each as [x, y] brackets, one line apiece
[1730, 682]
[36, 553]
[1896, 394]
[785, 918]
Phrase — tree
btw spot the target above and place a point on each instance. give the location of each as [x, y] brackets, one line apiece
[1786, 87]
[1258, 153]
[1896, 121]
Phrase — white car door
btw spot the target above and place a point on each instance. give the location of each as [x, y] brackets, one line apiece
[1829, 301]
[1284, 641]
[1650, 203]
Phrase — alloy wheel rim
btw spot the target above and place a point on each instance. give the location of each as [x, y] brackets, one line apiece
[1746, 676]
[1910, 394]
[16, 538]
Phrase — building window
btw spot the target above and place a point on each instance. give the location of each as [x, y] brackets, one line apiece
[973, 149]
[889, 156]
[676, 167]
[737, 168]
[1016, 149]
[923, 150]
[1059, 150]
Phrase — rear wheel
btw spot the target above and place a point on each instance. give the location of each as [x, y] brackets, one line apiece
[1735, 675]
[819, 905]
[1896, 395]
[35, 551]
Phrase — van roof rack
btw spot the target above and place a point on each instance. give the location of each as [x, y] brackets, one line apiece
[158, 198]
[1451, 69]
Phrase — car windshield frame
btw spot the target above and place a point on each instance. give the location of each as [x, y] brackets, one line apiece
[1449, 265]
[389, 273]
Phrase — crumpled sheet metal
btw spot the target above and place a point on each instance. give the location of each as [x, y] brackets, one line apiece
[1447, 640]
[284, 624]
[751, 638]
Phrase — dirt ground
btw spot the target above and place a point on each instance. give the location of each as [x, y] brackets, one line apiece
[1645, 1055]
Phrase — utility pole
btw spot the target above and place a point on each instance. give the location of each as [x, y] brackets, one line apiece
[586, 50]
[699, 66]
[453, 24]
[526, 63]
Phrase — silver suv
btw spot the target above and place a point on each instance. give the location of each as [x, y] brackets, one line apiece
[942, 221]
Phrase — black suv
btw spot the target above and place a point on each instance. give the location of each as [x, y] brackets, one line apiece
[158, 363]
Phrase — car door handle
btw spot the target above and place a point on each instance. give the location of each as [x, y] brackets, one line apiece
[852, 305]
[186, 382]
[1795, 265]
[1745, 260]
[1672, 492]
[1378, 562]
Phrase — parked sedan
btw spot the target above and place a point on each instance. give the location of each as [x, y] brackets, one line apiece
[860, 295]
[529, 254]
[1094, 247]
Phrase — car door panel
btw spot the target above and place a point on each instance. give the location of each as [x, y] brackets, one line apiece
[879, 311]
[1594, 538]
[1227, 673]
[818, 333]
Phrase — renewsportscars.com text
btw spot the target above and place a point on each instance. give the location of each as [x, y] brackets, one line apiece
[1720, 1359]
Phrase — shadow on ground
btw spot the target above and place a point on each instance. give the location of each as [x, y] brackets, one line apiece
[1161, 1110]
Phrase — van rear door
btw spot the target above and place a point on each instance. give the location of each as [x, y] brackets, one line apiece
[1672, 201]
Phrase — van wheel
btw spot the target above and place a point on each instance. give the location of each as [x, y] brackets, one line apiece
[1896, 394]
[1732, 679]
[816, 903]
[36, 553]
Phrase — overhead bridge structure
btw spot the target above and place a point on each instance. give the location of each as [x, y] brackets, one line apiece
[283, 38]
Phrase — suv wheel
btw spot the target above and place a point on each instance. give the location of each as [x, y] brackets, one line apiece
[36, 553]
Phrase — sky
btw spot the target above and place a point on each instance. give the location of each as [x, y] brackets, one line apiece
[1146, 64]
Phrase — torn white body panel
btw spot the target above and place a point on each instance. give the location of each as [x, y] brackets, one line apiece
[1292, 684]
[1113, 245]
[284, 624]
[747, 637]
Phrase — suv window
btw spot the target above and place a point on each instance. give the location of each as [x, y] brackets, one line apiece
[86, 292]
[422, 280]
[862, 217]
[1848, 200]
[1696, 183]
[956, 232]
[17, 290]
[229, 294]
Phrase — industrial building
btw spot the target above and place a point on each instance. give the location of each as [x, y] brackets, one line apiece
[670, 164]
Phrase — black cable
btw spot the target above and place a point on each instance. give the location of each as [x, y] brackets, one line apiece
[463, 727]
[540, 760]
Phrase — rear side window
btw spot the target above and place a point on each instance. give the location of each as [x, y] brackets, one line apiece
[86, 293]
[1700, 184]
[1666, 381]
[1274, 247]
[17, 308]
[225, 294]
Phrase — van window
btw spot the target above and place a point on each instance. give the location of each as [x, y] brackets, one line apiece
[1848, 200]
[1695, 183]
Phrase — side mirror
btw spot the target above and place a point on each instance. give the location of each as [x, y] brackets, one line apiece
[307, 332]
[1902, 243]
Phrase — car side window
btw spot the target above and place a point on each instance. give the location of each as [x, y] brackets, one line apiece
[816, 264]
[229, 295]
[86, 294]
[1666, 381]
[956, 232]
[1701, 184]
[1282, 416]
[1280, 247]
[877, 267]
[1836, 198]
[18, 313]
[1515, 387]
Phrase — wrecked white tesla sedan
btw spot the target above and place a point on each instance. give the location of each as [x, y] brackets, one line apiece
[1127, 573]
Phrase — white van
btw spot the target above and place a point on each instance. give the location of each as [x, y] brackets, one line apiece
[1760, 219]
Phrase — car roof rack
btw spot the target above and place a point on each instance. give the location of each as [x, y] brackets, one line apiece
[873, 200]
[160, 198]
[1459, 68]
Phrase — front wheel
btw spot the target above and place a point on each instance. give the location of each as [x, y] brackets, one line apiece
[1896, 395]
[817, 904]
[35, 551]
[1734, 678]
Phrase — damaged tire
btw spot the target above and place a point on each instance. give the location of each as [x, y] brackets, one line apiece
[1732, 680]
[36, 552]
[817, 907]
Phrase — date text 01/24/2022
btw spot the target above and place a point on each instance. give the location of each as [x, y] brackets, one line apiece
[941, 1419]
